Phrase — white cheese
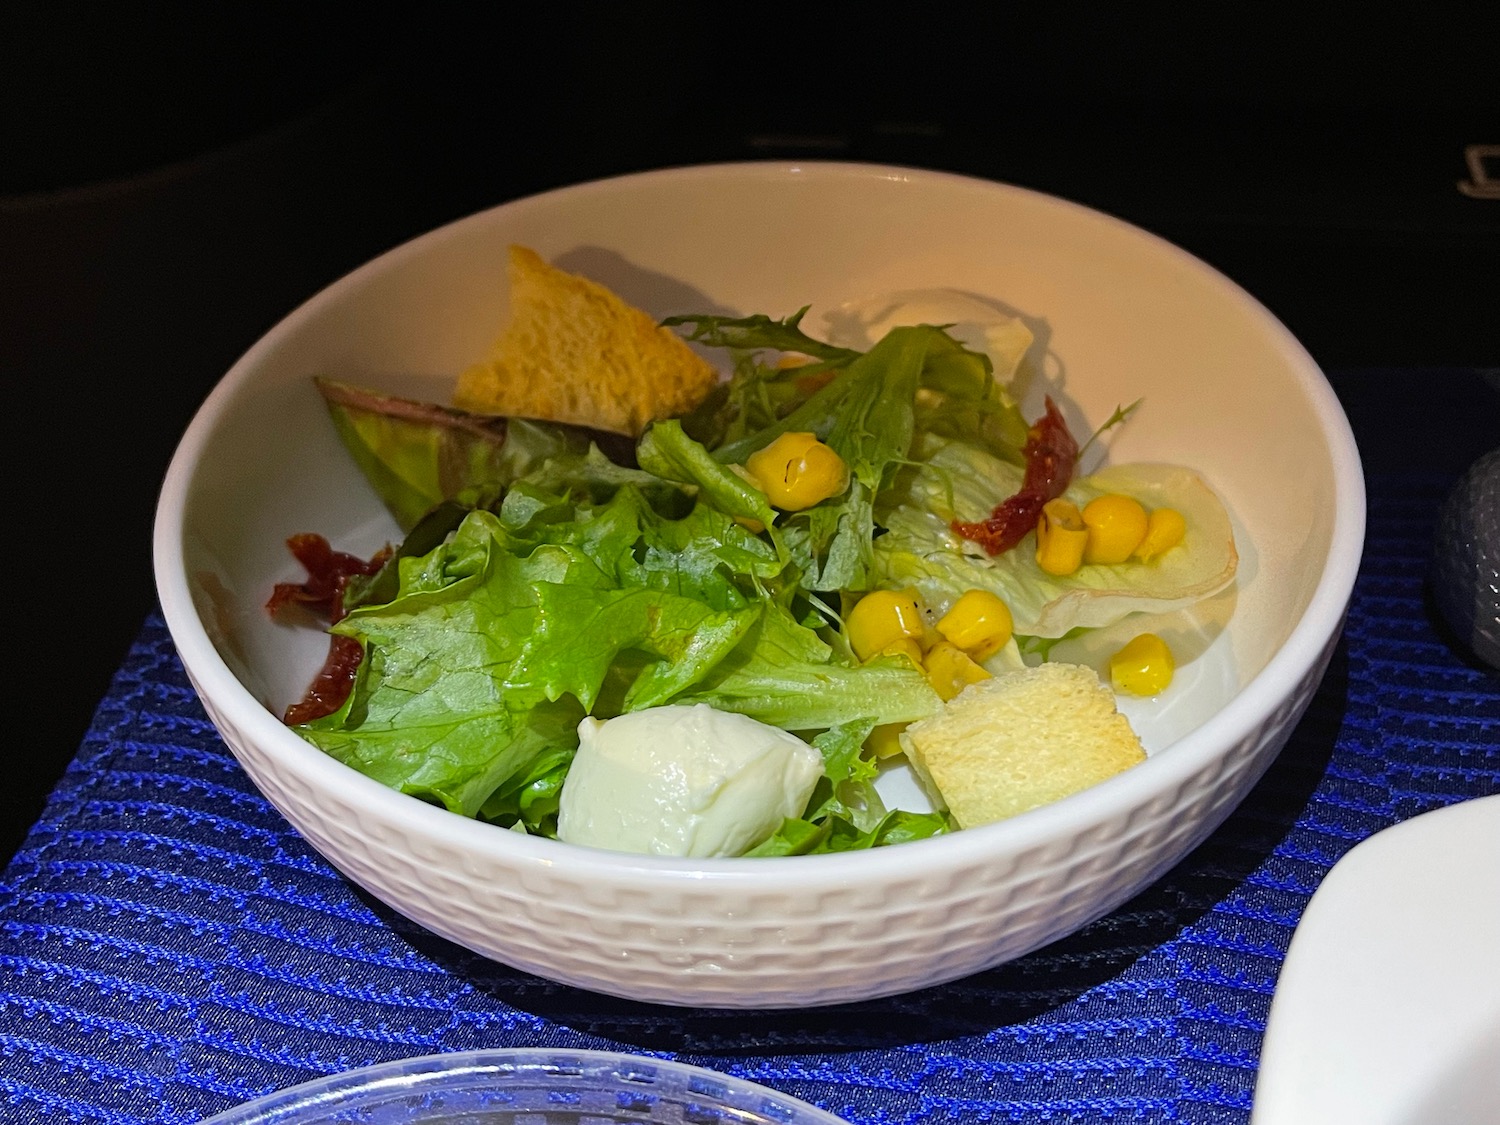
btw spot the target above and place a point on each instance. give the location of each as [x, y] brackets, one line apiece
[684, 781]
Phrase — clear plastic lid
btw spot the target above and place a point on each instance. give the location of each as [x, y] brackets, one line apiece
[528, 1087]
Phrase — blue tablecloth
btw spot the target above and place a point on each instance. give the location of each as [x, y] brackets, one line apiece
[169, 946]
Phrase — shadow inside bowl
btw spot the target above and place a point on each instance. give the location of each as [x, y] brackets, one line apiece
[659, 294]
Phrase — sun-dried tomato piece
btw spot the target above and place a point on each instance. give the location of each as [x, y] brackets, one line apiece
[328, 574]
[1051, 454]
[331, 686]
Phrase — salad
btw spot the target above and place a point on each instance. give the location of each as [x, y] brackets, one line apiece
[709, 638]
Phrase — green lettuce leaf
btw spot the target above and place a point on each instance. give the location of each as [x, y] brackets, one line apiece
[557, 604]
[786, 675]
[847, 788]
[532, 797]
[666, 450]
[899, 826]
[798, 836]
[759, 332]
[755, 396]
[866, 414]
[487, 658]
[961, 398]
[912, 378]
[416, 455]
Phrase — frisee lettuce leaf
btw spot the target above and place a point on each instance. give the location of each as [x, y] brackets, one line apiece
[868, 412]
[759, 332]
[499, 640]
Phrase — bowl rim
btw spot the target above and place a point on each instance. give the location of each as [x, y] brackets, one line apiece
[411, 1075]
[1300, 655]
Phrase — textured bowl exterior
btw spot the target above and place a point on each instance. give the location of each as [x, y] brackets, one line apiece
[766, 933]
[769, 942]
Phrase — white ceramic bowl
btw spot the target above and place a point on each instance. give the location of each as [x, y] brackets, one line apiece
[1120, 315]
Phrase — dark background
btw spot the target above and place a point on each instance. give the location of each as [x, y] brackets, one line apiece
[174, 179]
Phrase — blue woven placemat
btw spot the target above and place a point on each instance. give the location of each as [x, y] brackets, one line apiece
[169, 947]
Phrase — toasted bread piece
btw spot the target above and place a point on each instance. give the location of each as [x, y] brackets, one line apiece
[1020, 740]
[575, 352]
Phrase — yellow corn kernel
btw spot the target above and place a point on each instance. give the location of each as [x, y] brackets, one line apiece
[885, 740]
[1060, 537]
[883, 618]
[979, 623]
[1165, 528]
[797, 471]
[930, 636]
[1143, 667]
[950, 670]
[906, 647]
[1116, 524]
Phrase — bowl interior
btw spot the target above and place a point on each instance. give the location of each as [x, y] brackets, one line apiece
[1118, 315]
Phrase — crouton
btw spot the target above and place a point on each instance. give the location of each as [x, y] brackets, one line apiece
[575, 352]
[1021, 740]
